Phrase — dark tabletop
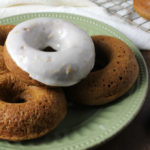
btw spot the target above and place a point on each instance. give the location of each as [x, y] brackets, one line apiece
[136, 136]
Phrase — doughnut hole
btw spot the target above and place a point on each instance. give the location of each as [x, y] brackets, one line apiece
[102, 58]
[10, 91]
[48, 49]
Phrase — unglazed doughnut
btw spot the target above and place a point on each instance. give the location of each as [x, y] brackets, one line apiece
[28, 112]
[116, 78]
[142, 7]
[4, 30]
[3, 68]
[72, 60]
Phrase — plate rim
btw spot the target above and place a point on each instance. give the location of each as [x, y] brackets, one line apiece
[44, 14]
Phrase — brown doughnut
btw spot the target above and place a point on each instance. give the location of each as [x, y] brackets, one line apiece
[4, 30]
[3, 68]
[115, 79]
[142, 7]
[28, 112]
[18, 72]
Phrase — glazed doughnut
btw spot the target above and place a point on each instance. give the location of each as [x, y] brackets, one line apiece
[70, 61]
[142, 7]
[113, 80]
[4, 30]
[28, 112]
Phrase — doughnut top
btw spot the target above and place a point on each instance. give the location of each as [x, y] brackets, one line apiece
[142, 7]
[72, 59]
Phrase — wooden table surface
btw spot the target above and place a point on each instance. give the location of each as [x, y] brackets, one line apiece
[136, 136]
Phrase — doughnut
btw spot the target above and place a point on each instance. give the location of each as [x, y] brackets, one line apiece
[142, 7]
[49, 51]
[27, 111]
[4, 30]
[3, 68]
[117, 75]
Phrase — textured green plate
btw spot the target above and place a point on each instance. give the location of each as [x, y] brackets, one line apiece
[85, 127]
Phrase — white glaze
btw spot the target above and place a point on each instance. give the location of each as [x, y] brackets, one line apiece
[72, 62]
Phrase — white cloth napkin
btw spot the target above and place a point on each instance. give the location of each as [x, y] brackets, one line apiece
[81, 7]
[75, 3]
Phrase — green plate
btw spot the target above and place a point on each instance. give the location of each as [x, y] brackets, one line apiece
[85, 127]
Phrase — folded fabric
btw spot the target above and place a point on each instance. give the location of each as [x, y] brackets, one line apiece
[89, 10]
[75, 3]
